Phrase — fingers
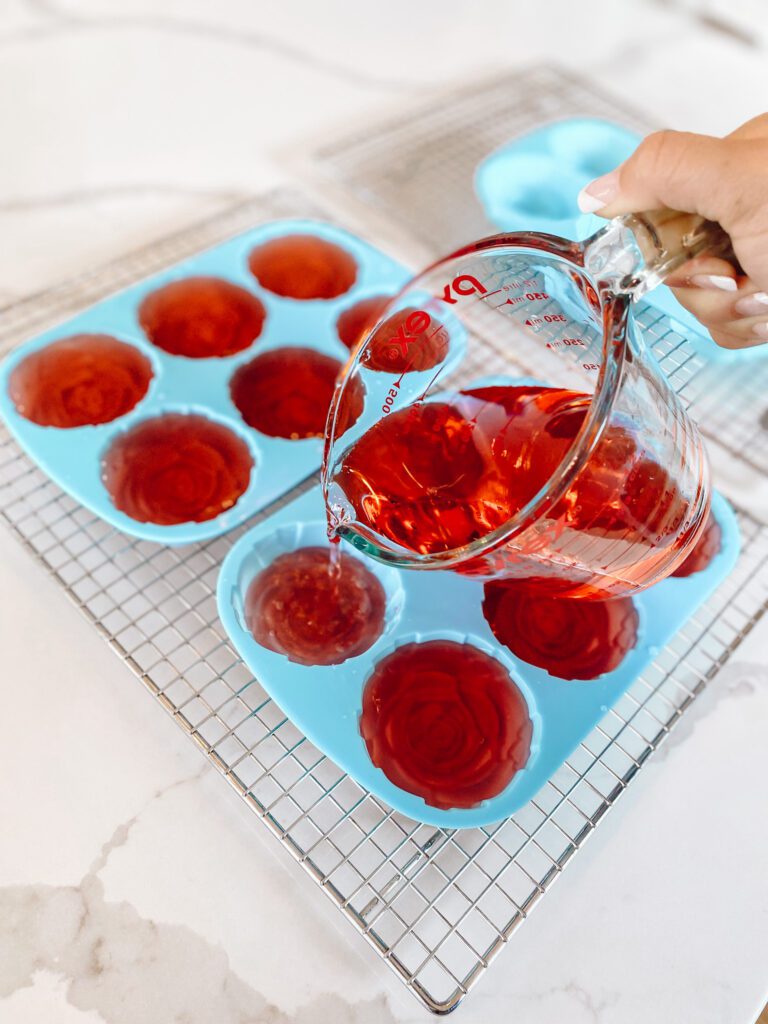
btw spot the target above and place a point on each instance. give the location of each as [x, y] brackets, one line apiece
[673, 169]
[733, 310]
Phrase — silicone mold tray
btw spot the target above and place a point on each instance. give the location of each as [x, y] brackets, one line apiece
[325, 702]
[532, 183]
[72, 457]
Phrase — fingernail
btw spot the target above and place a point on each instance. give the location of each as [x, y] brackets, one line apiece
[599, 193]
[721, 282]
[752, 305]
[760, 331]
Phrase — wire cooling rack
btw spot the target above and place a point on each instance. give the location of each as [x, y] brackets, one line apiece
[437, 905]
[416, 169]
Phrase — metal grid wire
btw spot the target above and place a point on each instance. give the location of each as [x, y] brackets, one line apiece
[437, 905]
[418, 170]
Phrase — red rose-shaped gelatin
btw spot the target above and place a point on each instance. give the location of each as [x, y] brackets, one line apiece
[568, 637]
[303, 267]
[707, 546]
[176, 468]
[201, 317]
[408, 340]
[287, 392]
[313, 613]
[79, 381]
[445, 721]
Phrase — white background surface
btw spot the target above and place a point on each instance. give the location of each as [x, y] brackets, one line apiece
[133, 886]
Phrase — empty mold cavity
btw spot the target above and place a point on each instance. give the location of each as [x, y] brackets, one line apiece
[445, 721]
[303, 266]
[286, 392]
[200, 317]
[590, 147]
[83, 380]
[176, 468]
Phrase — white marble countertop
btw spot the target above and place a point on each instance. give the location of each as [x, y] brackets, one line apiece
[133, 886]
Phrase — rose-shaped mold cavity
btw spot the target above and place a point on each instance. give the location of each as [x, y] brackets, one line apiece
[707, 548]
[83, 380]
[355, 321]
[302, 266]
[570, 638]
[445, 721]
[200, 317]
[522, 189]
[407, 341]
[286, 392]
[590, 146]
[315, 611]
[289, 600]
[176, 468]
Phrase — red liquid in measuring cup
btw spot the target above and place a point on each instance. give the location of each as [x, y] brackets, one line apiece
[313, 612]
[441, 474]
[445, 721]
[176, 469]
[567, 637]
[706, 548]
[83, 380]
[201, 317]
[287, 392]
[303, 267]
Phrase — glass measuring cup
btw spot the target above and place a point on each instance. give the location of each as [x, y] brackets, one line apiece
[503, 417]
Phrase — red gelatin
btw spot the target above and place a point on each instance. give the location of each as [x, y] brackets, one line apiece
[287, 392]
[176, 468]
[445, 721]
[200, 317]
[355, 322]
[568, 637]
[438, 475]
[707, 547]
[303, 267]
[80, 381]
[313, 612]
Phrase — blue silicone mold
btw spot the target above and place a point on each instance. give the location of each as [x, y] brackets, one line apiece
[532, 182]
[72, 457]
[325, 702]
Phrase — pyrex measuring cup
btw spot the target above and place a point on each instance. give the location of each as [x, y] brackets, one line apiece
[503, 417]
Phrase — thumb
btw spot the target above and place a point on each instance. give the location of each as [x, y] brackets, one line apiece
[678, 170]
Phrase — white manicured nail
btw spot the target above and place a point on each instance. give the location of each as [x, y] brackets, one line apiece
[721, 282]
[599, 193]
[752, 305]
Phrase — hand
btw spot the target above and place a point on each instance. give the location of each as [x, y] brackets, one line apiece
[724, 180]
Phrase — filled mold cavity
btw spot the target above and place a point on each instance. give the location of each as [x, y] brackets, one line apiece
[83, 380]
[303, 267]
[445, 721]
[176, 468]
[407, 341]
[286, 392]
[313, 602]
[314, 608]
[570, 638]
[706, 549]
[201, 317]
[354, 322]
